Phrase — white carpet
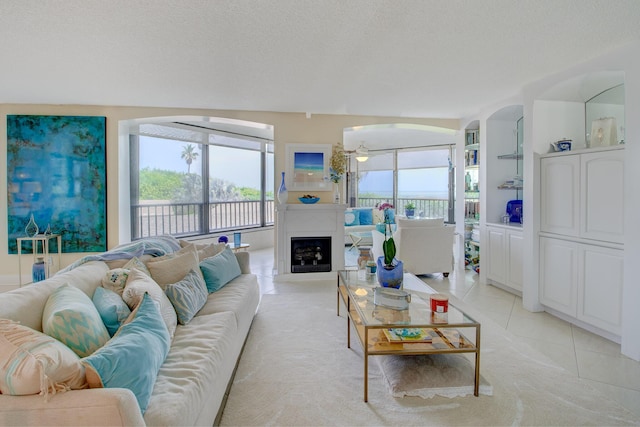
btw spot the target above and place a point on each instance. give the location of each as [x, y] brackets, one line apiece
[296, 370]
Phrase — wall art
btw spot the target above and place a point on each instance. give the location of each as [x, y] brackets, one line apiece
[56, 170]
[308, 167]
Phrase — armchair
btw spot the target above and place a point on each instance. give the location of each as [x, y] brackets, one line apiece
[425, 246]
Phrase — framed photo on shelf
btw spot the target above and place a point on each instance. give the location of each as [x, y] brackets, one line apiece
[307, 167]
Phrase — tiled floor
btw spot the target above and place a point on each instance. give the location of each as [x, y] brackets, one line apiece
[592, 358]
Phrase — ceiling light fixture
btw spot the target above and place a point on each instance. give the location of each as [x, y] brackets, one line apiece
[362, 154]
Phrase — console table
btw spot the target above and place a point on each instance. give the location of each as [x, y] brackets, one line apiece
[36, 241]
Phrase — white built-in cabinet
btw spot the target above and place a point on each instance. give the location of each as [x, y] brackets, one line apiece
[581, 235]
[503, 250]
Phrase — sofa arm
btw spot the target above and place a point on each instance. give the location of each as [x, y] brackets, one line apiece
[244, 261]
[100, 406]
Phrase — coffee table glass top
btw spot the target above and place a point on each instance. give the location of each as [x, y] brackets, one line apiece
[418, 315]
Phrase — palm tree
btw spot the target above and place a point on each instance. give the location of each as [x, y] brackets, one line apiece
[189, 156]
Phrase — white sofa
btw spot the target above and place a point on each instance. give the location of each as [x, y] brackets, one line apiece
[192, 383]
[425, 246]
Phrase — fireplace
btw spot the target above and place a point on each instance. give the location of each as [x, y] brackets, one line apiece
[310, 254]
[320, 225]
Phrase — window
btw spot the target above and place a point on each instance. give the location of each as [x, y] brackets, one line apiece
[422, 176]
[186, 181]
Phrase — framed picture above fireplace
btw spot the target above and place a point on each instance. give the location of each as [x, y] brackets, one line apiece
[307, 167]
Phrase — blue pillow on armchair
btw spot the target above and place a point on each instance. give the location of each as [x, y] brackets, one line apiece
[351, 217]
[366, 216]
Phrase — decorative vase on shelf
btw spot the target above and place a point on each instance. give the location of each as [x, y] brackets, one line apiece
[283, 194]
[32, 228]
[336, 193]
[390, 277]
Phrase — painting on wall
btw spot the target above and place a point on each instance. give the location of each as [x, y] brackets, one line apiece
[56, 171]
[308, 167]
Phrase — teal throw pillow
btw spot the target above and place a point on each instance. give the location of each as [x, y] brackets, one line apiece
[70, 317]
[351, 218]
[187, 296]
[220, 270]
[133, 357]
[113, 310]
[365, 215]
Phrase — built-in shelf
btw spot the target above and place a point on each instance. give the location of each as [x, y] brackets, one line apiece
[472, 147]
[509, 187]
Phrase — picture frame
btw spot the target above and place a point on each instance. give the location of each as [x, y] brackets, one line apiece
[603, 132]
[307, 167]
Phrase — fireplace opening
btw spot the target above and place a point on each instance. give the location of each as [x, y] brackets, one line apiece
[310, 254]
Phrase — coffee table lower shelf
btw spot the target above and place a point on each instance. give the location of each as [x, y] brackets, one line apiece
[448, 338]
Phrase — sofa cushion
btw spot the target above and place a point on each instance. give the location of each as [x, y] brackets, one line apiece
[188, 386]
[136, 262]
[351, 218]
[365, 215]
[70, 317]
[137, 285]
[187, 296]
[220, 270]
[112, 308]
[133, 357]
[173, 267]
[423, 222]
[32, 362]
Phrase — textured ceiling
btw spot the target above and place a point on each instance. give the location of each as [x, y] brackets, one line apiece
[421, 58]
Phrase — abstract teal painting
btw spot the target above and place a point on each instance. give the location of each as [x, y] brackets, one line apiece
[56, 170]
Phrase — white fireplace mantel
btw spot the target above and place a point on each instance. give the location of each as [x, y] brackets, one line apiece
[317, 220]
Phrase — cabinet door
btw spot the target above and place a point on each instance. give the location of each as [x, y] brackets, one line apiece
[559, 274]
[514, 254]
[559, 194]
[495, 254]
[602, 196]
[600, 290]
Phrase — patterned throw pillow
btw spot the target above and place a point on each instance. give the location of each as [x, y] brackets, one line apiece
[32, 362]
[115, 279]
[137, 285]
[187, 296]
[134, 356]
[70, 317]
[351, 218]
[112, 308]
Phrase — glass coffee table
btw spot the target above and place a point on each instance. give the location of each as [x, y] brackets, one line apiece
[376, 325]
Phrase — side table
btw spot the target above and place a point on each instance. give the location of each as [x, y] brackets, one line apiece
[37, 241]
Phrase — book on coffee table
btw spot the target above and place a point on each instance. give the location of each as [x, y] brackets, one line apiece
[406, 335]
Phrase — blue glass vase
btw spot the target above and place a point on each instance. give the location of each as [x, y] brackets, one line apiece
[391, 278]
[283, 194]
[38, 272]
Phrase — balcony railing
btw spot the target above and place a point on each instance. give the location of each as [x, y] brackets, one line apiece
[431, 208]
[183, 219]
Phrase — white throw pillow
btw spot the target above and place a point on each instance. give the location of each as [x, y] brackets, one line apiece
[172, 268]
[137, 284]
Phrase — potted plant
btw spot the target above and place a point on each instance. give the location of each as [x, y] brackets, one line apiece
[409, 209]
[389, 269]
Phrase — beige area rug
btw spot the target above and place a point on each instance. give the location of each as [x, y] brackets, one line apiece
[296, 370]
[447, 375]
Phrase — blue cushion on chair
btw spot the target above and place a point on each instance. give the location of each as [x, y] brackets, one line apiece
[351, 217]
[366, 216]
